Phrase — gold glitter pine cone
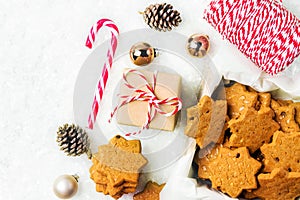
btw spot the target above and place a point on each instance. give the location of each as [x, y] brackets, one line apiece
[73, 140]
[161, 17]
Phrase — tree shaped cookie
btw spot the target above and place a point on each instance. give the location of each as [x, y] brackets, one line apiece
[252, 129]
[116, 167]
[233, 171]
[150, 192]
[279, 184]
[284, 151]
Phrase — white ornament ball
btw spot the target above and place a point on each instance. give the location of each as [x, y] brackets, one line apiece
[65, 186]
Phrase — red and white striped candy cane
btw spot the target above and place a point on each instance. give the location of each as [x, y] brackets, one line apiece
[148, 96]
[107, 64]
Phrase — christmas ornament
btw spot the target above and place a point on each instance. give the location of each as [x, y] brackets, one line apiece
[66, 186]
[161, 17]
[73, 140]
[198, 45]
[264, 31]
[142, 53]
[99, 90]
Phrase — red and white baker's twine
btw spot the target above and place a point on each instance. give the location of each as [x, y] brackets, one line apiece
[107, 64]
[263, 30]
[147, 96]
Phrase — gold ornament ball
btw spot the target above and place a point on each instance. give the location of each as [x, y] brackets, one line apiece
[142, 53]
[66, 186]
[198, 45]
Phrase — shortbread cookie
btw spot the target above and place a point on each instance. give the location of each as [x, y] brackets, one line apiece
[283, 152]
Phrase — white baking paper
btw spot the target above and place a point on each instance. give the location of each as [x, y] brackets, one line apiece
[232, 65]
[180, 186]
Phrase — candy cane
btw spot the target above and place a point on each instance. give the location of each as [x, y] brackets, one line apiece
[107, 65]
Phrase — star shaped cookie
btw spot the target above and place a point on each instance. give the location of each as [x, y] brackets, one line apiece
[116, 167]
[233, 171]
[252, 129]
[279, 184]
[284, 151]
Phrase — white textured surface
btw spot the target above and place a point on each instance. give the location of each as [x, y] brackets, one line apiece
[41, 52]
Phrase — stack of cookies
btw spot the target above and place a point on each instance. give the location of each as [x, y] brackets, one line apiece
[257, 153]
[116, 167]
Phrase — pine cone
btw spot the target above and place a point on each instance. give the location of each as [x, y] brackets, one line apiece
[73, 140]
[161, 17]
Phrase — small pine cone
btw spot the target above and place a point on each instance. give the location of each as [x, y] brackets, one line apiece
[73, 140]
[161, 17]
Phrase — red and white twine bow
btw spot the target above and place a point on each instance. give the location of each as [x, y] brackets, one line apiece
[263, 30]
[147, 96]
[107, 64]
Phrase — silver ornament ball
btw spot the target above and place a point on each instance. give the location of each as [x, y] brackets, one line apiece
[198, 45]
[66, 186]
[142, 53]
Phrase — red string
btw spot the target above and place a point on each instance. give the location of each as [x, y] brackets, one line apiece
[147, 96]
[263, 30]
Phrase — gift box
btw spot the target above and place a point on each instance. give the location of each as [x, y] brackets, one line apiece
[135, 112]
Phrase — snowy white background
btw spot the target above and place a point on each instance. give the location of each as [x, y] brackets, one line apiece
[41, 52]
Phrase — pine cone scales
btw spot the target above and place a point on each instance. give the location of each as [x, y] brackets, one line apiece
[72, 139]
[161, 17]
